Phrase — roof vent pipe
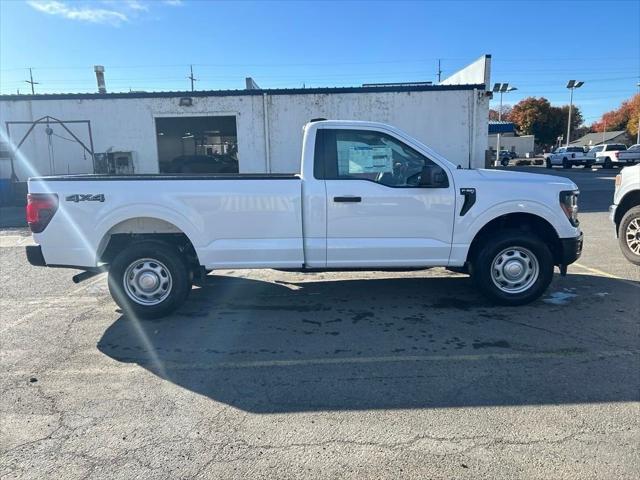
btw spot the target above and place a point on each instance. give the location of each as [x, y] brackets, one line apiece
[99, 69]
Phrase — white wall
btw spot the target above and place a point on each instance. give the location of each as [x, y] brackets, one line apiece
[440, 118]
[521, 145]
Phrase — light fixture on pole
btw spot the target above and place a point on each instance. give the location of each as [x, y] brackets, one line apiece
[571, 85]
[500, 88]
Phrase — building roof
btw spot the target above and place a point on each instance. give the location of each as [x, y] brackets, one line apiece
[501, 127]
[597, 138]
[230, 93]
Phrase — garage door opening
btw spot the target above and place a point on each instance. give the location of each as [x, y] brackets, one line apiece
[197, 144]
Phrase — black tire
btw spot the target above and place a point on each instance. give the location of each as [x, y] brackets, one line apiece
[168, 261]
[548, 162]
[493, 247]
[632, 217]
[565, 163]
[607, 163]
[504, 162]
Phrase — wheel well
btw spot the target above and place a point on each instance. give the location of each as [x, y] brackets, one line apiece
[526, 222]
[629, 201]
[123, 234]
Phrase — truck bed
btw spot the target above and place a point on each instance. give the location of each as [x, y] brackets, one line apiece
[232, 220]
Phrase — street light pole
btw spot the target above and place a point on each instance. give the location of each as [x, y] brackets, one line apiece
[572, 85]
[501, 88]
[638, 138]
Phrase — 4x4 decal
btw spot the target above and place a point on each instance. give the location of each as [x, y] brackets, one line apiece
[85, 197]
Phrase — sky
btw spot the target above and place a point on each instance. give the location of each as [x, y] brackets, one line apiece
[149, 45]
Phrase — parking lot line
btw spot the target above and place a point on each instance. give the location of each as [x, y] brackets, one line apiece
[213, 365]
[601, 273]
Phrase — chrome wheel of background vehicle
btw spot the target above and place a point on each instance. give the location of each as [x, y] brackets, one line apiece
[632, 236]
[514, 270]
[147, 281]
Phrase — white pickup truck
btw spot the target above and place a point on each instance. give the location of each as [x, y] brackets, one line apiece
[625, 212]
[368, 197]
[613, 154]
[567, 157]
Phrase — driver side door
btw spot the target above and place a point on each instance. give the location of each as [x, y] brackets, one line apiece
[378, 215]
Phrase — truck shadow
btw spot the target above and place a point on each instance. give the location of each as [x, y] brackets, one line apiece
[389, 343]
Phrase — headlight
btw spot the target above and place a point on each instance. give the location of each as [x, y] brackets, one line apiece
[569, 205]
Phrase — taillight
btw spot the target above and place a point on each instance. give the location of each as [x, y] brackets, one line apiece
[615, 155]
[41, 207]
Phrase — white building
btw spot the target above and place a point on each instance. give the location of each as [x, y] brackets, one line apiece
[522, 145]
[145, 131]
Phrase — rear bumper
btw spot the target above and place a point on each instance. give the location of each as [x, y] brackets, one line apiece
[34, 256]
[571, 249]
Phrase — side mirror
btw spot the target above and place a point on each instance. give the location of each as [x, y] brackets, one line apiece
[433, 176]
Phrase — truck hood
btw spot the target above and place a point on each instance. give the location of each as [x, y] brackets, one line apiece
[500, 176]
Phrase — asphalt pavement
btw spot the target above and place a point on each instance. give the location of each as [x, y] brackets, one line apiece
[267, 374]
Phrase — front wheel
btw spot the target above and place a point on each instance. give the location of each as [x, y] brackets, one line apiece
[149, 279]
[548, 162]
[505, 162]
[629, 235]
[513, 268]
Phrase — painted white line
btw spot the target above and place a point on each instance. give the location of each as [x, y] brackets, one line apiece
[12, 241]
[173, 366]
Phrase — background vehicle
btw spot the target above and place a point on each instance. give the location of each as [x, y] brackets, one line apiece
[368, 197]
[625, 212]
[608, 156]
[629, 156]
[568, 157]
[203, 164]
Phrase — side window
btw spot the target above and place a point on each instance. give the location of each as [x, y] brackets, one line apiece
[374, 156]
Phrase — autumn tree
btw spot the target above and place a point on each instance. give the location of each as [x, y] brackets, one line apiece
[536, 116]
[625, 117]
[506, 111]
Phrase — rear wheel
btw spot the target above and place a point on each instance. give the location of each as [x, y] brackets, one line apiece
[629, 235]
[149, 279]
[548, 162]
[565, 163]
[513, 267]
[607, 163]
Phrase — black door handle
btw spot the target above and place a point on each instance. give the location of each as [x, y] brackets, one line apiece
[347, 199]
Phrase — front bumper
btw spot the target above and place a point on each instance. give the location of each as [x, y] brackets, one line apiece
[34, 256]
[571, 249]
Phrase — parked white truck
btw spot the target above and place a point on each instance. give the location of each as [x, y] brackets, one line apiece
[613, 154]
[625, 212]
[368, 197]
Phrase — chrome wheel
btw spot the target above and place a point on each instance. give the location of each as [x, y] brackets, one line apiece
[514, 270]
[632, 236]
[147, 281]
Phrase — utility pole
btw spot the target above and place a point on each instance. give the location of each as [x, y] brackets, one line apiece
[191, 77]
[439, 71]
[33, 92]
